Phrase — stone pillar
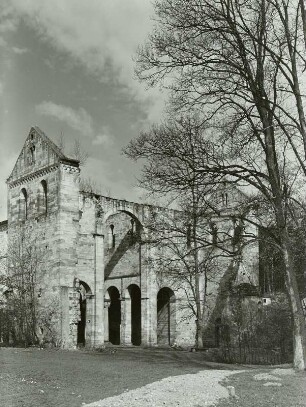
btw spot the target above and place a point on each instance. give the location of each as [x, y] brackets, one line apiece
[90, 318]
[148, 297]
[126, 322]
[173, 322]
[65, 317]
[106, 327]
[98, 323]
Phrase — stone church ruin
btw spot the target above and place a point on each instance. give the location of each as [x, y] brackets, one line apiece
[98, 273]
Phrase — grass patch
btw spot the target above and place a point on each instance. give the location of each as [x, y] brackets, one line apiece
[288, 390]
[52, 378]
[49, 378]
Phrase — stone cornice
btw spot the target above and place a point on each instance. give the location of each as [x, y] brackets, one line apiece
[32, 176]
[120, 277]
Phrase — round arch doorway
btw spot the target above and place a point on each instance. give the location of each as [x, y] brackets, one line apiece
[114, 315]
[84, 292]
[135, 296]
[166, 325]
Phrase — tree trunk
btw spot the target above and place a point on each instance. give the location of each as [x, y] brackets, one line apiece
[299, 325]
[298, 318]
[199, 334]
[199, 320]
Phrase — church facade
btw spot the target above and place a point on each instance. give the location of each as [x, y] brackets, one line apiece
[98, 274]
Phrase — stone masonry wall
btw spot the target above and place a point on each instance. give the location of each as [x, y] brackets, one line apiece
[3, 246]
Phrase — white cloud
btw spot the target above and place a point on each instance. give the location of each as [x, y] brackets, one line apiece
[19, 51]
[7, 161]
[99, 34]
[7, 25]
[103, 138]
[8, 22]
[78, 120]
[3, 43]
[8, 18]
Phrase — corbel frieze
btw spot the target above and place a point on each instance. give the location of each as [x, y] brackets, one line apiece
[70, 168]
[32, 176]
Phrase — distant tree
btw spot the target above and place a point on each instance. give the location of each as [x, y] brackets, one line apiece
[90, 186]
[78, 153]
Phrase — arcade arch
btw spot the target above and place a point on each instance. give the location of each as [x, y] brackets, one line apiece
[114, 315]
[85, 311]
[134, 226]
[135, 311]
[166, 318]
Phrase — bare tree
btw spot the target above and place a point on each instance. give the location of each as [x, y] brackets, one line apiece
[242, 65]
[26, 261]
[76, 151]
[79, 153]
[195, 261]
[61, 142]
[192, 244]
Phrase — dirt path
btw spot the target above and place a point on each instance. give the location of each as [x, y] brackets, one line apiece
[252, 387]
[191, 390]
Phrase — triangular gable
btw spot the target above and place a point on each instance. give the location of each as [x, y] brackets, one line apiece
[57, 151]
[37, 153]
[226, 196]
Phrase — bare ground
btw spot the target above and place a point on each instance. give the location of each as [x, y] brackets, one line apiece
[140, 377]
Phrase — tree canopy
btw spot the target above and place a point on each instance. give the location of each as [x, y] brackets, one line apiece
[238, 66]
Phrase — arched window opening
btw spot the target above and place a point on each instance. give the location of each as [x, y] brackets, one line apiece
[238, 234]
[23, 204]
[111, 237]
[214, 233]
[44, 197]
[31, 155]
[224, 198]
[132, 228]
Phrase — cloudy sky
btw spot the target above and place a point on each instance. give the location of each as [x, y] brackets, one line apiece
[67, 67]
